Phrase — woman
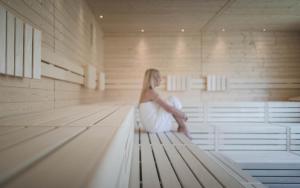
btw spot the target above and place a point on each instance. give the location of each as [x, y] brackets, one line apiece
[156, 115]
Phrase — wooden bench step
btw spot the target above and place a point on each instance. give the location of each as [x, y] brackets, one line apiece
[9, 129]
[171, 160]
[78, 155]
[35, 119]
[19, 157]
[21, 135]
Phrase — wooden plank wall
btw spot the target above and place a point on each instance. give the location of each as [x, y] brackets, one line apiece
[257, 65]
[71, 38]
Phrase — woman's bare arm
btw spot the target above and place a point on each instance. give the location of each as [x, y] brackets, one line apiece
[155, 97]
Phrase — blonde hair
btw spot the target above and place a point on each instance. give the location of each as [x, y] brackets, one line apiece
[150, 79]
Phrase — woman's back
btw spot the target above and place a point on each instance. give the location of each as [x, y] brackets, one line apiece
[148, 114]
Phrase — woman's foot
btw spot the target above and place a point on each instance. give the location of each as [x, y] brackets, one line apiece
[185, 131]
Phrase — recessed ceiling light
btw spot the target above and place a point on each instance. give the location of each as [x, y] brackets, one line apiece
[223, 29]
[142, 30]
[182, 30]
[264, 29]
[101, 16]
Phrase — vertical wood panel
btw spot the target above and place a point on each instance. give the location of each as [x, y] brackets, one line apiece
[10, 47]
[28, 51]
[19, 48]
[36, 54]
[2, 39]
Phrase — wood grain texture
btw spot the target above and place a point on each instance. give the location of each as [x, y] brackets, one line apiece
[28, 51]
[257, 65]
[65, 43]
[10, 44]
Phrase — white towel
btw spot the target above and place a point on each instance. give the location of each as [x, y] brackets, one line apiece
[155, 119]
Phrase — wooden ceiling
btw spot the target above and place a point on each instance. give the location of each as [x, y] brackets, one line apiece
[129, 16]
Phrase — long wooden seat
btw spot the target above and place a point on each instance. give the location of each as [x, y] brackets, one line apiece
[171, 160]
[59, 117]
[273, 168]
[88, 149]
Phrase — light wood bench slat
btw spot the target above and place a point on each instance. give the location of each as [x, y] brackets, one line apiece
[225, 178]
[173, 138]
[144, 138]
[65, 117]
[21, 135]
[116, 118]
[163, 138]
[239, 173]
[82, 155]
[149, 173]
[204, 176]
[8, 129]
[27, 118]
[94, 118]
[134, 180]
[34, 119]
[154, 138]
[19, 157]
[186, 177]
[182, 138]
[167, 174]
[70, 118]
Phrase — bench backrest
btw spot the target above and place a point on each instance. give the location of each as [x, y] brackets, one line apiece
[245, 125]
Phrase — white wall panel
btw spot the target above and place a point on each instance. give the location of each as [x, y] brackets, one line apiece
[28, 51]
[37, 42]
[10, 44]
[19, 48]
[2, 40]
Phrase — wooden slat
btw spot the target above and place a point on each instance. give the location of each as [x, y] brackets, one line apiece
[134, 181]
[21, 135]
[144, 138]
[52, 71]
[36, 55]
[274, 173]
[33, 119]
[89, 147]
[8, 129]
[253, 147]
[163, 138]
[238, 172]
[21, 156]
[10, 44]
[174, 139]
[185, 176]
[149, 173]
[28, 51]
[166, 172]
[214, 168]
[68, 120]
[182, 138]
[154, 139]
[204, 176]
[94, 118]
[117, 117]
[19, 48]
[2, 40]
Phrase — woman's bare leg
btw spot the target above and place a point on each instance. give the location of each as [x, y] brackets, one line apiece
[182, 127]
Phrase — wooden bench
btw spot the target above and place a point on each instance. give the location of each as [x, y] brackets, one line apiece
[276, 169]
[171, 160]
[262, 131]
[80, 146]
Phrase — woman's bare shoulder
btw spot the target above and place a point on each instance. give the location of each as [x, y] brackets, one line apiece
[149, 95]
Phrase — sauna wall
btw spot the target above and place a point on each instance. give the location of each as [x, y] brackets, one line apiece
[71, 39]
[258, 65]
